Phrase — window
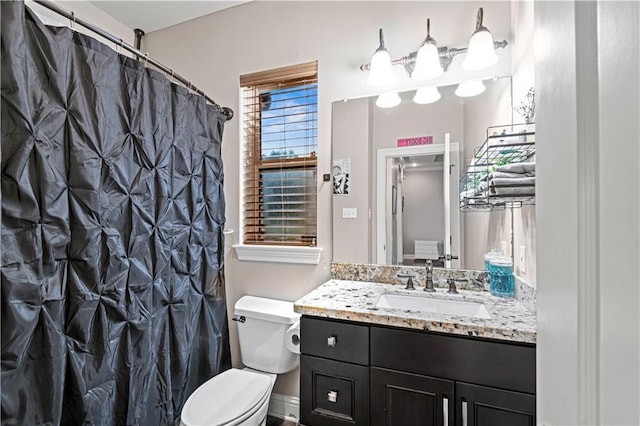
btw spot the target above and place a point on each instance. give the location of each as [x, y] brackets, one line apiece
[280, 122]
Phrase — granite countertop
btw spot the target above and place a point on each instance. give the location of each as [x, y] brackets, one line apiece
[355, 301]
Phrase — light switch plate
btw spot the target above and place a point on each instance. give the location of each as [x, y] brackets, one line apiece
[349, 213]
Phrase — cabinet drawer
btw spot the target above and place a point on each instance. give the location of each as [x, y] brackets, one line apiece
[333, 393]
[335, 340]
[501, 365]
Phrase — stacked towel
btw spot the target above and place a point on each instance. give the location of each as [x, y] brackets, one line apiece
[527, 169]
[512, 180]
[509, 180]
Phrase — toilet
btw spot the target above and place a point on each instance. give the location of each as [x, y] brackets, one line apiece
[268, 332]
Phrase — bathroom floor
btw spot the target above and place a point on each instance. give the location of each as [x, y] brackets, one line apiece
[274, 421]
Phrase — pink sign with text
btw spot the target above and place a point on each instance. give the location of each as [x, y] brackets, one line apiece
[420, 140]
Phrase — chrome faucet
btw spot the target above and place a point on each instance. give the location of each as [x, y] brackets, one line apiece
[429, 281]
[409, 281]
[452, 286]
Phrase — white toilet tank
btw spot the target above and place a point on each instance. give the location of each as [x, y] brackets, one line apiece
[262, 334]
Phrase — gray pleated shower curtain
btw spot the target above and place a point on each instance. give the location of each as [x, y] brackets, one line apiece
[113, 298]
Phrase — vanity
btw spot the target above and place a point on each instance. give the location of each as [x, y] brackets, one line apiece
[374, 353]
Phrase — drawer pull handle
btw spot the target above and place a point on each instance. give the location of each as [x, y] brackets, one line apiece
[464, 413]
[445, 411]
[332, 396]
[331, 341]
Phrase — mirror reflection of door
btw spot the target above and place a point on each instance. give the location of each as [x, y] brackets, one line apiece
[416, 186]
[395, 176]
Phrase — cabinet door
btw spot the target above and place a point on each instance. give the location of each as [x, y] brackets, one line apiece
[333, 393]
[405, 399]
[486, 406]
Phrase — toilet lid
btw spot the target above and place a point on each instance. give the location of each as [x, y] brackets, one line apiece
[225, 397]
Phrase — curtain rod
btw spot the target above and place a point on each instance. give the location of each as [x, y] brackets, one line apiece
[226, 111]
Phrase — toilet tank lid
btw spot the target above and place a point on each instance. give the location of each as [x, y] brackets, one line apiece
[262, 308]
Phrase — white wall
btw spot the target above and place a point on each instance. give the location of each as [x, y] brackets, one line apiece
[588, 212]
[522, 56]
[215, 50]
[88, 12]
[424, 206]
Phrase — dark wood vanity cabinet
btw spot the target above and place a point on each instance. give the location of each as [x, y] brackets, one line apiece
[334, 373]
[399, 398]
[356, 374]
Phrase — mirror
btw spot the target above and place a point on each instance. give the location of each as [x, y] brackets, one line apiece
[413, 213]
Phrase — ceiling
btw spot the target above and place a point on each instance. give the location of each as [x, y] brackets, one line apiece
[152, 15]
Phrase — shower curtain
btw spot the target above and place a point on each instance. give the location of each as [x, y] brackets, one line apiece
[113, 298]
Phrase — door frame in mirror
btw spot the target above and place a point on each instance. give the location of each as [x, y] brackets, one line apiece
[381, 174]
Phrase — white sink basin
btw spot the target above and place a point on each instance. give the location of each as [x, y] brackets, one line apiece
[429, 304]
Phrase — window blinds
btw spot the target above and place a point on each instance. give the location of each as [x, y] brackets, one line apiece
[280, 124]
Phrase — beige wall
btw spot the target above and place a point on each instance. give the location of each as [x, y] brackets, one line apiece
[351, 140]
[88, 12]
[215, 50]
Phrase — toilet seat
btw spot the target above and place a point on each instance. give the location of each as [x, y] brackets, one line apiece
[228, 398]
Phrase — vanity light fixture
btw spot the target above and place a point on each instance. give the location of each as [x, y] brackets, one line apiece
[427, 95]
[381, 70]
[422, 64]
[470, 88]
[388, 100]
[427, 65]
[481, 53]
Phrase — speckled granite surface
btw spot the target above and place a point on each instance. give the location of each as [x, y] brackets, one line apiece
[526, 294]
[465, 279]
[355, 301]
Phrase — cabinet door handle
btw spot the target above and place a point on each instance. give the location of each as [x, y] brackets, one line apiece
[464, 412]
[332, 396]
[331, 341]
[445, 411]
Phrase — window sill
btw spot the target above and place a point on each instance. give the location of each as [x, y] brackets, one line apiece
[278, 254]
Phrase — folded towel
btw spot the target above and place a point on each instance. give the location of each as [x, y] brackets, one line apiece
[483, 186]
[505, 175]
[512, 191]
[525, 168]
[521, 181]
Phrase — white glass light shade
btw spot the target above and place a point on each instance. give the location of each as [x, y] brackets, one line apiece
[470, 88]
[427, 64]
[381, 71]
[481, 53]
[388, 100]
[426, 95]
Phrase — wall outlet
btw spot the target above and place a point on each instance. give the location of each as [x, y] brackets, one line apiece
[349, 213]
[522, 259]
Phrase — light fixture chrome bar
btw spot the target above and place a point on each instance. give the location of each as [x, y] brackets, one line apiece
[446, 56]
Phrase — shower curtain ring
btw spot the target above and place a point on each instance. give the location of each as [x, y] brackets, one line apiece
[172, 76]
[73, 20]
[146, 58]
[119, 46]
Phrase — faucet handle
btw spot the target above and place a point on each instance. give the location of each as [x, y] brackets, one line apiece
[409, 281]
[452, 286]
